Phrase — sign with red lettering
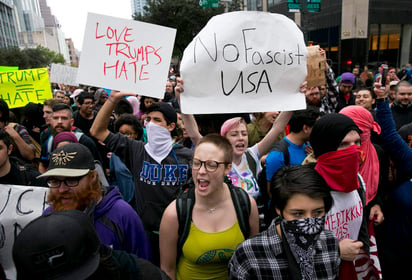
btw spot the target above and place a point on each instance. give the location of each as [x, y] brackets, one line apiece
[126, 55]
[18, 206]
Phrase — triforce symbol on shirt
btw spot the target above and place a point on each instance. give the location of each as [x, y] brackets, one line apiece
[62, 158]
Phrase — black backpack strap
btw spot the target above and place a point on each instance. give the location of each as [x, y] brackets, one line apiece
[184, 206]
[24, 175]
[21, 165]
[251, 162]
[89, 211]
[113, 227]
[242, 206]
[282, 146]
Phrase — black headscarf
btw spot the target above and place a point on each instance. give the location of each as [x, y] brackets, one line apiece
[329, 131]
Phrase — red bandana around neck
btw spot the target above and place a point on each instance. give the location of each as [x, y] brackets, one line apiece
[340, 168]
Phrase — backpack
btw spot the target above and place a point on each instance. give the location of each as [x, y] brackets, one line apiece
[184, 207]
[28, 172]
[105, 221]
[263, 200]
[252, 163]
[282, 146]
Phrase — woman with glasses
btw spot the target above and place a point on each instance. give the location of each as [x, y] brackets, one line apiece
[214, 229]
[246, 160]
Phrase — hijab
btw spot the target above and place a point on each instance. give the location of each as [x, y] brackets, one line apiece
[369, 169]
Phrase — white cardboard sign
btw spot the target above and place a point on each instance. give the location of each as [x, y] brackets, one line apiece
[126, 55]
[18, 206]
[244, 62]
[63, 74]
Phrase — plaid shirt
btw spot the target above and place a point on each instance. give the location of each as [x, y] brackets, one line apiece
[262, 257]
[24, 134]
[329, 102]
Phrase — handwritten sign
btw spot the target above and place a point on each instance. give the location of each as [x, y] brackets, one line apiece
[20, 87]
[316, 67]
[18, 206]
[244, 62]
[126, 55]
[63, 74]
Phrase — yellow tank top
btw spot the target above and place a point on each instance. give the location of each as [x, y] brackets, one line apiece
[205, 255]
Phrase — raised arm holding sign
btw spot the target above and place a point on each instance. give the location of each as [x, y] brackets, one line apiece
[244, 62]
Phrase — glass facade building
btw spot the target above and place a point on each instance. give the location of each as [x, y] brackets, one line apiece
[364, 32]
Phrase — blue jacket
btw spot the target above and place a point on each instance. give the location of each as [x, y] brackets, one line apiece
[393, 143]
[399, 213]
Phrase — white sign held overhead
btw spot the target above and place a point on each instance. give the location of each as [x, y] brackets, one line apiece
[18, 206]
[63, 74]
[126, 55]
[244, 62]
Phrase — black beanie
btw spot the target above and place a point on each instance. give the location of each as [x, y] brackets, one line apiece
[329, 131]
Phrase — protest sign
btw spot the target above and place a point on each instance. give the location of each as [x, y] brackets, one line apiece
[62, 74]
[8, 68]
[17, 88]
[18, 206]
[244, 62]
[126, 55]
[316, 67]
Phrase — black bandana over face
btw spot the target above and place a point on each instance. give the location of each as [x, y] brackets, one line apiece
[299, 237]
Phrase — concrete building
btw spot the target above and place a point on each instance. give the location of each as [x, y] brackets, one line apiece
[54, 37]
[364, 32]
[30, 23]
[74, 56]
[8, 28]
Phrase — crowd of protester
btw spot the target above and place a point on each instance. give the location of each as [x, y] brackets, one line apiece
[171, 195]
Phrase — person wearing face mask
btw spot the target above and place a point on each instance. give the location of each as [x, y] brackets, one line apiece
[336, 140]
[296, 245]
[158, 167]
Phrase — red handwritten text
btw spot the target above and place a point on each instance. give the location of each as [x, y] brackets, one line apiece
[338, 222]
[131, 61]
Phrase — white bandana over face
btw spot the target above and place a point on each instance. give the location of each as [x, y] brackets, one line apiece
[159, 141]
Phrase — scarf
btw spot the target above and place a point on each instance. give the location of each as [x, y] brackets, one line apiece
[340, 168]
[329, 131]
[159, 142]
[299, 237]
[369, 169]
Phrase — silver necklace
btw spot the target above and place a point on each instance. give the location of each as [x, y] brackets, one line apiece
[211, 210]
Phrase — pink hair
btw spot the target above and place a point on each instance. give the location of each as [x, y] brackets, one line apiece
[231, 124]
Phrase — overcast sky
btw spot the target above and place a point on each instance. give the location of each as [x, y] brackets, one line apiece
[72, 14]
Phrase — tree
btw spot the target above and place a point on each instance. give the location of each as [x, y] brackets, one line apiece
[184, 15]
[29, 58]
[235, 5]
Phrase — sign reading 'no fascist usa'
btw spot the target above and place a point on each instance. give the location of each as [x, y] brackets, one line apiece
[244, 62]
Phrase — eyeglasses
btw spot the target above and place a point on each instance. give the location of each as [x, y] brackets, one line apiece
[71, 182]
[210, 165]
